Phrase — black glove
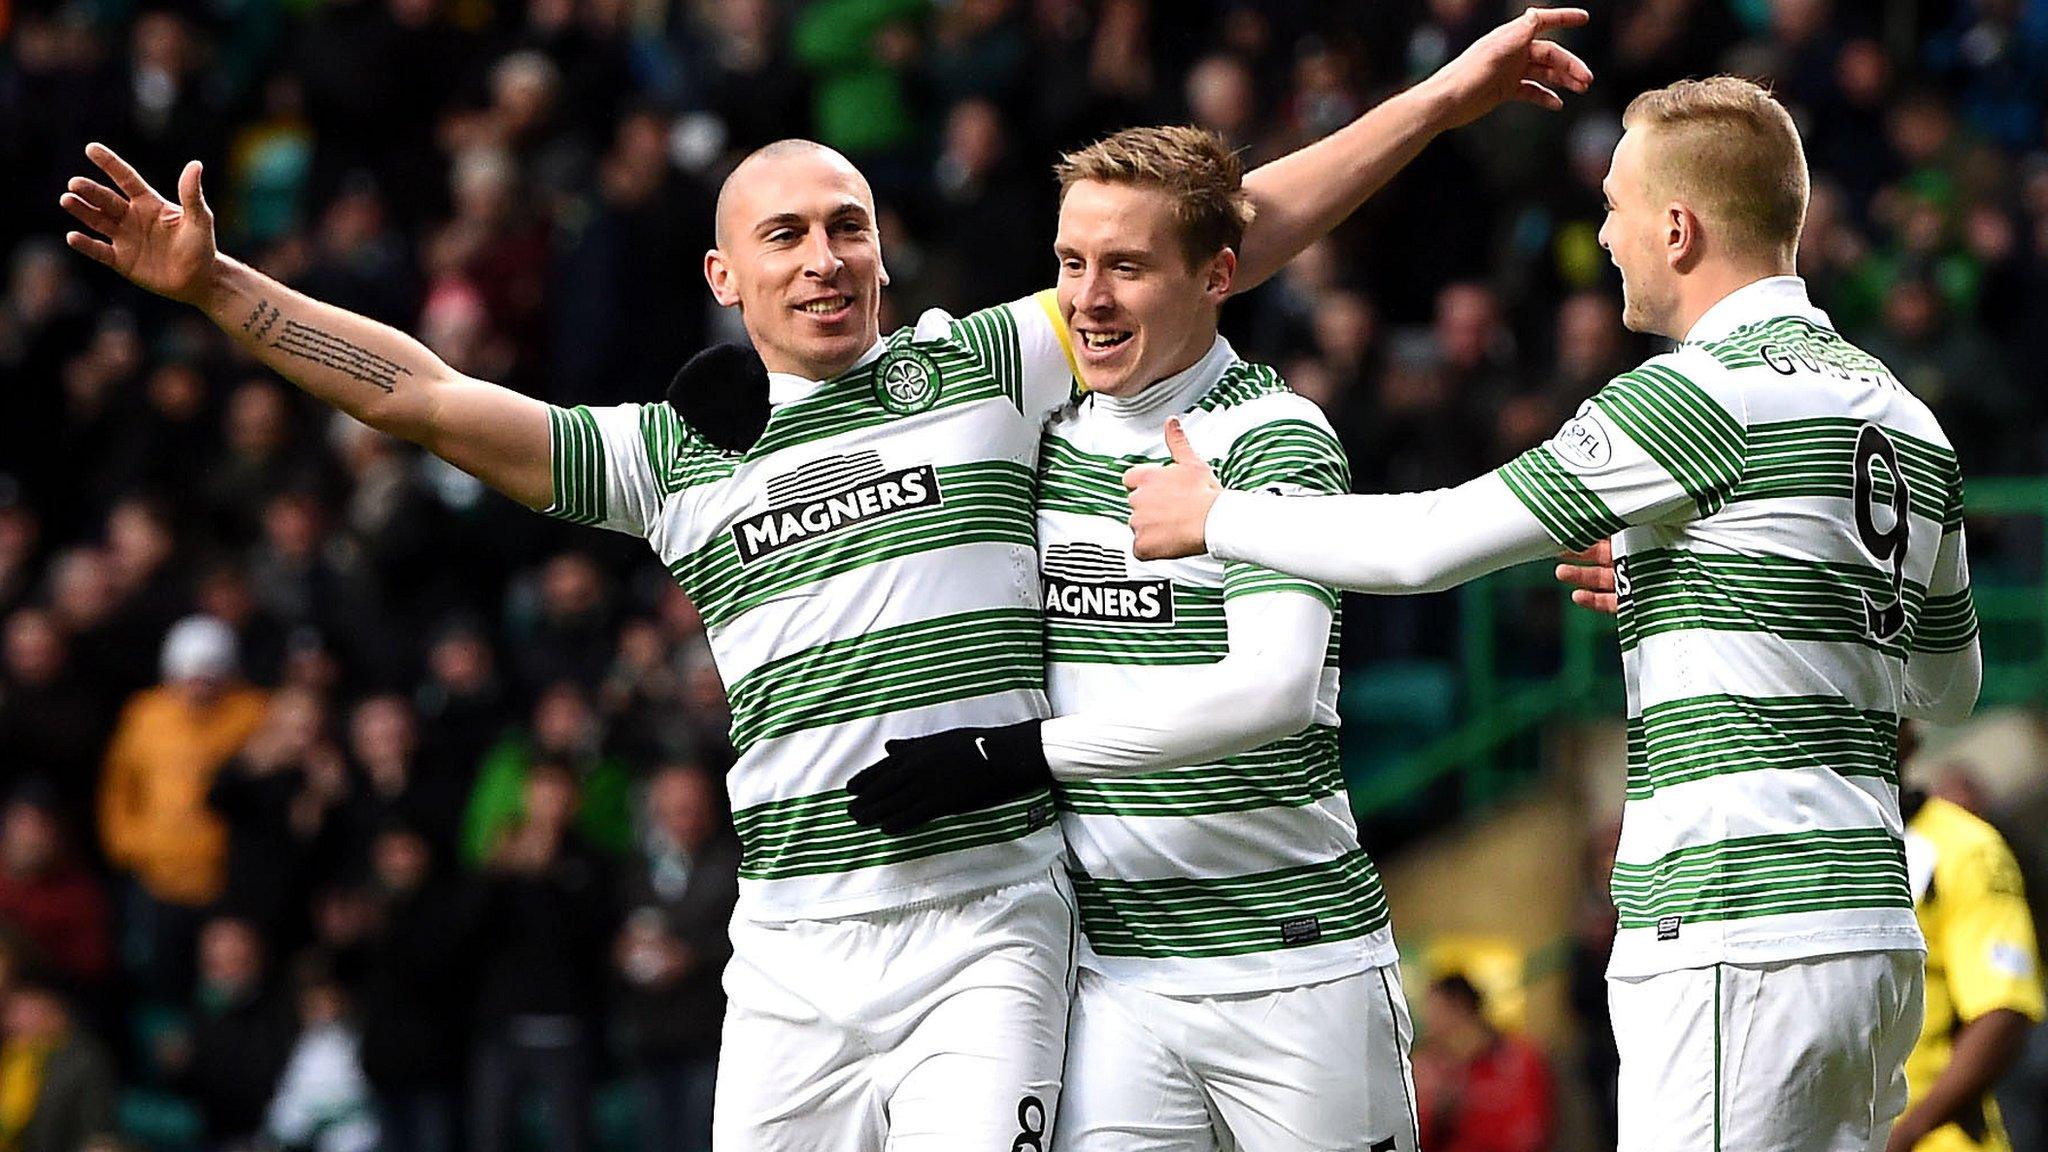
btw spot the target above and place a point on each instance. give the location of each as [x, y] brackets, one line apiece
[946, 773]
[723, 394]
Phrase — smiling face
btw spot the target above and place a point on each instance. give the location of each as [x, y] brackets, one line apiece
[1635, 234]
[1138, 309]
[799, 254]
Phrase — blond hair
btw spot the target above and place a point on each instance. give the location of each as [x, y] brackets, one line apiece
[1194, 166]
[1727, 148]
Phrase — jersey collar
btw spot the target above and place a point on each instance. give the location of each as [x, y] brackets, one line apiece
[1764, 299]
[1176, 393]
[787, 387]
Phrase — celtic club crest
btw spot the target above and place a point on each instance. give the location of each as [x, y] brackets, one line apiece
[906, 381]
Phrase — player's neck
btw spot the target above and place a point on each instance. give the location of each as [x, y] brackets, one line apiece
[794, 377]
[1710, 284]
[1172, 392]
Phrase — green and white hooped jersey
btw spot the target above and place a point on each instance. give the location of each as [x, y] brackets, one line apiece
[1238, 875]
[1766, 463]
[865, 572]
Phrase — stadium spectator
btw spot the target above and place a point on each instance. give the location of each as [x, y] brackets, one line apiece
[323, 1101]
[1222, 96]
[308, 579]
[59, 907]
[676, 897]
[162, 444]
[623, 291]
[278, 798]
[542, 926]
[170, 112]
[571, 632]
[981, 258]
[53, 721]
[1478, 1089]
[61, 1079]
[496, 245]
[748, 85]
[154, 824]
[1997, 53]
[1944, 358]
[394, 783]
[565, 733]
[240, 1036]
[857, 53]
[412, 993]
[263, 456]
[261, 641]
[462, 707]
[646, 716]
[44, 319]
[142, 565]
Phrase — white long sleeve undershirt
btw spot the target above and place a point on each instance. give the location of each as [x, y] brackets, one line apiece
[1414, 542]
[1264, 689]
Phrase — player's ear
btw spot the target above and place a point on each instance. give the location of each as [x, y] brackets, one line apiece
[1681, 236]
[1221, 272]
[718, 274]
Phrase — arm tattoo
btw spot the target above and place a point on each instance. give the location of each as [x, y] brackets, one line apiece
[331, 351]
[259, 323]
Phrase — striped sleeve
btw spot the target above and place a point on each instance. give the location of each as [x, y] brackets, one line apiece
[1026, 347]
[1944, 665]
[1655, 445]
[1294, 455]
[1948, 617]
[604, 463]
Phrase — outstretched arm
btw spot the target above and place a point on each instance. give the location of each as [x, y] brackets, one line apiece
[1415, 542]
[371, 371]
[1653, 447]
[1303, 195]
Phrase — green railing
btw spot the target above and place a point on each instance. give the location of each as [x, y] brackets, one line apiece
[1497, 709]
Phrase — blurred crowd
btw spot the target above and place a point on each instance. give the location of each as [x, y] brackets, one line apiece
[349, 806]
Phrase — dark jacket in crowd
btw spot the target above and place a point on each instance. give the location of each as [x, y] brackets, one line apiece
[411, 1000]
[681, 1020]
[540, 941]
[270, 862]
[239, 1049]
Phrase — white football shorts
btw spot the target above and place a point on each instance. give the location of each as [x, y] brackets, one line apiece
[940, 1027]
[1799, 1056]
[1318, 1068]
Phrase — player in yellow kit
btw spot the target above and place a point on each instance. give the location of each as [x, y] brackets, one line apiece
[1983, 979]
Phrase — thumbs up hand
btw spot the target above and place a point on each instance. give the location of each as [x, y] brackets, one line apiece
[1170, 502]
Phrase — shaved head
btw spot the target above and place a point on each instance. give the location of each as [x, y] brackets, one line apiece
[729, 192]
[799, 254]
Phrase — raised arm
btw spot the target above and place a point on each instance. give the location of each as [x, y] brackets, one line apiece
[1306, 193]
[371, 371]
